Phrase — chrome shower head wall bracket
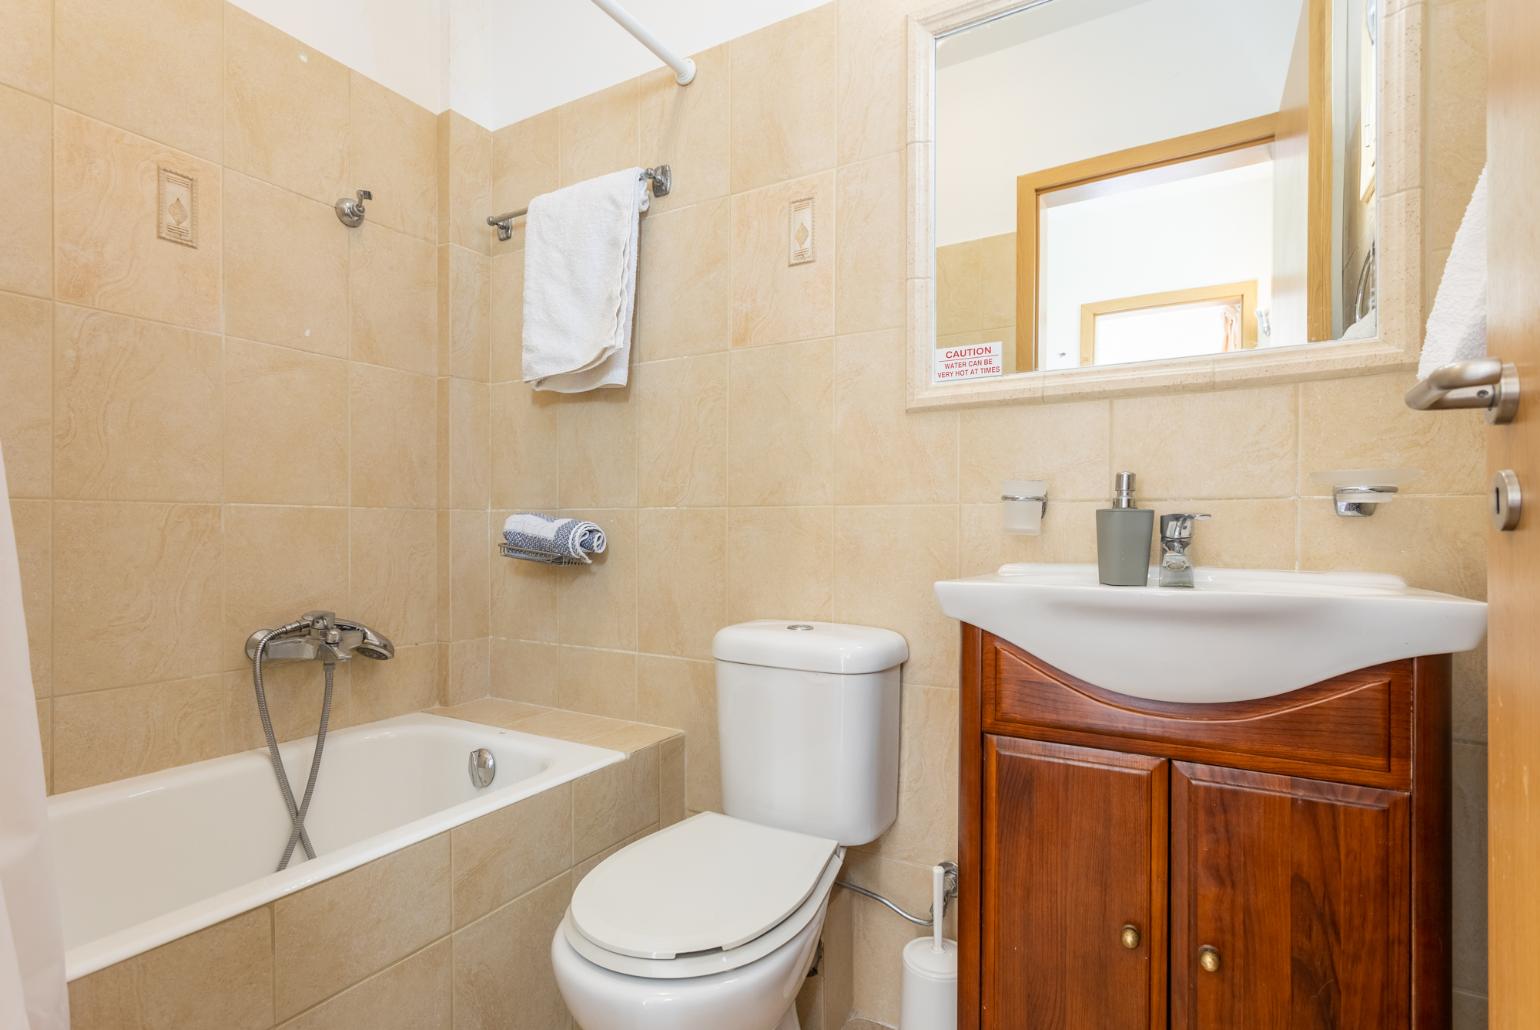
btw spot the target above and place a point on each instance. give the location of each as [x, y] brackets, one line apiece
[350, 210]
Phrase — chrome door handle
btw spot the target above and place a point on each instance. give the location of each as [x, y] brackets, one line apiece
[1487, 383]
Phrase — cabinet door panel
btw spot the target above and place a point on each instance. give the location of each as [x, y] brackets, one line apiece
[1300, 888]
[1074, 850]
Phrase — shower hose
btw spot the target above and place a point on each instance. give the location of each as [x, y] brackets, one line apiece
[297, 812]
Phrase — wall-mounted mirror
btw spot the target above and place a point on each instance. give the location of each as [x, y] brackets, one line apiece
[1121, 182]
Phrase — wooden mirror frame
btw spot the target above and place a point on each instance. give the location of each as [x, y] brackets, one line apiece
[1399, 246]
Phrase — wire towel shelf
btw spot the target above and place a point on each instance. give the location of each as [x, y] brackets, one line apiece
[659, 179]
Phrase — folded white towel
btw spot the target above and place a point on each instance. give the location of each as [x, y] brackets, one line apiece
[1457, 326]
[580, 283]
[553, 541]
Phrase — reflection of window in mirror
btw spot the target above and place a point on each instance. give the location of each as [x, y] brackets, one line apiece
[1130, 180]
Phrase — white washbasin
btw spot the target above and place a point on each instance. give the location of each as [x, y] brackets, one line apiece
[1237, 634]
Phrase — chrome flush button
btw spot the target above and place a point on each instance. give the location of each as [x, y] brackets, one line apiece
[800, 626]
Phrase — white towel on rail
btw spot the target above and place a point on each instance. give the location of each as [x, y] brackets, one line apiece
[580, 283]
[1457, 325]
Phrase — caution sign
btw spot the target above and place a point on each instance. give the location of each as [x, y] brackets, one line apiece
[969, 361]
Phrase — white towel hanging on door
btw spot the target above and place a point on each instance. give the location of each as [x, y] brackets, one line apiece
[1457, 325]
[580, 251]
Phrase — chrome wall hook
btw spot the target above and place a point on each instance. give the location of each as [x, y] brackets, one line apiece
[350, 210]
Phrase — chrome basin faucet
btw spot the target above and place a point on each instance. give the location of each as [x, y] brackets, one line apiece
[1175, 536]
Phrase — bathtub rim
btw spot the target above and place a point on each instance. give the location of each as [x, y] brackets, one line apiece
[576, 760]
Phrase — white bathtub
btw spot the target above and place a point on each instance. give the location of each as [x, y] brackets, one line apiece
[146, 860]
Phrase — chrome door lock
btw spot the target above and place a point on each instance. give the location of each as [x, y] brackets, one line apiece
[1507, 501]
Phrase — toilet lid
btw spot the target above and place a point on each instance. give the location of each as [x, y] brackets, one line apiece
[706, 884]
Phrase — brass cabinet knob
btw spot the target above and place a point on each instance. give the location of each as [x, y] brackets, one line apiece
[1129, 936]
[1208, 958]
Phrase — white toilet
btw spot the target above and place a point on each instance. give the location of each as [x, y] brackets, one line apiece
[712, 923]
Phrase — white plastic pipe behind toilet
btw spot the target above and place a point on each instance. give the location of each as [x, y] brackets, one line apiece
[930, 972]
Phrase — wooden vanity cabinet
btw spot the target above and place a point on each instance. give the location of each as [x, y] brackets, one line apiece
[1280, 863]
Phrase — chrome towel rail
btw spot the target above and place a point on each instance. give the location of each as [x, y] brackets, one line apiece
[659, 179]
[1486, 383]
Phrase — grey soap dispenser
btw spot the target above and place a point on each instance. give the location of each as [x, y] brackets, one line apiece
[1123, 537]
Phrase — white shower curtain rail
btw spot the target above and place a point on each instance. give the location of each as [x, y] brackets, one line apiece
[684, 67]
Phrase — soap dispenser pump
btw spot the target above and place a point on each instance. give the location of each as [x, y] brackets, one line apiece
[1123, 537]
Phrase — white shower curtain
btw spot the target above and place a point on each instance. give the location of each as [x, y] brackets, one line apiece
[32, 992]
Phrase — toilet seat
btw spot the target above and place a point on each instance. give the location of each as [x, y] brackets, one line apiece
[704, 896]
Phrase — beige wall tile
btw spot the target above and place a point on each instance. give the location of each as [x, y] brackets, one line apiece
[772, 301]
[507, 316]
[45, 735]
[154, 68]
[873, 92]
[1364, 423]
[1232, 443]
[877, 936]
[285, 268]
[392, 445]
[1068, 445]
[465, 309]
[464, 183]
[280, 563]
[689, 129]
[887, 455]
[1437, 543]
[869, 262]
[596, 434]
[406, 683]
[285, 426]
[525, 465]
[523, 670]
[783, 99]
[683, 694]
[781, 425]
[683, 285]
[613, 803]
[599, 133]
[682, 554]
[128, 580]
[780, 563]
[32, 522]
[470, 670]
[168, 988]
[873, 587]
[671, 782]
[393, 290]
[286, 110]
[107, 735]
[340, 931]
[502, 965]
[393, 153]
[414, 994]
[393, 569]
[468, 467]
[26, 394]
[26, 189]
[106, 253]
[295, 695]
[681, 431]
[26, 46]
[1258, 534]
[509, 852]
[136, 409]
[926, 829]
[470, 564]
[597, 682]
[526, 162]
[524, 596]
[976, 285]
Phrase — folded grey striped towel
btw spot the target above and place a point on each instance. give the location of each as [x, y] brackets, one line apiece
[553, 541]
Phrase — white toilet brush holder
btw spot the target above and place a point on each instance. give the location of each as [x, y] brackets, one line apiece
[929, 1000]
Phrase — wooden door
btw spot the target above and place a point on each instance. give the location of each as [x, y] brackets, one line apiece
[1513, 583]
[1299, 891]
[1074, 891]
